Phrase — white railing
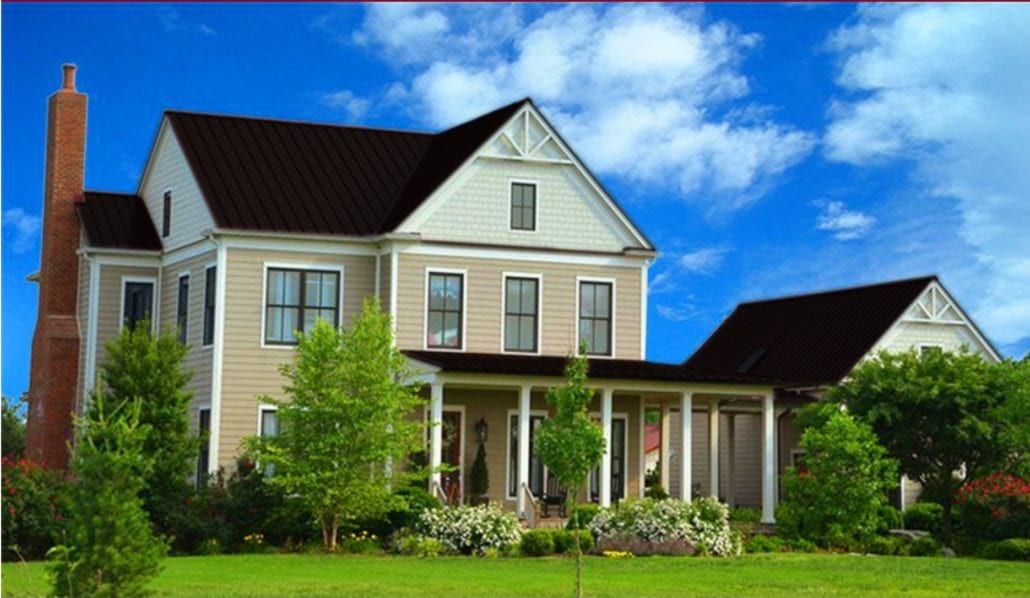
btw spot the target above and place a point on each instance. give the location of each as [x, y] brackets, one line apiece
[530, 506]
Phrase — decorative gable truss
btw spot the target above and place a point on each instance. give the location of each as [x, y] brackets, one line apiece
[934, 306]
[527, 138]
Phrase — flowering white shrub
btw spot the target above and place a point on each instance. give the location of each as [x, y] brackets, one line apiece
[703, 523]
[471, 530]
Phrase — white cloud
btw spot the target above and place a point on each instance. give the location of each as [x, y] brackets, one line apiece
[703, 261]
[172, 20]
[652, 94]
[677, 314]
[845, 224]
[22, 228]
[352, 105]
[947, 88]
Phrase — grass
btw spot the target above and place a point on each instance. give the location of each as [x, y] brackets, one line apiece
[765, 575]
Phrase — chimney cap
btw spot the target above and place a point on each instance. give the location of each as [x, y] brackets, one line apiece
[69, 76]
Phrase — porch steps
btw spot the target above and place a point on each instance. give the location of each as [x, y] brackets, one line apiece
[552, 523]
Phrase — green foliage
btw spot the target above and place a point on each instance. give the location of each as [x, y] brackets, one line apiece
[941, 412]
[656, 492]
[1013, 549]
[763, 543]
[12, 436]
[110, 549]
[745, 515]
[479, 476]
[583, 514]
[885, 545]
[570, 444]
[410, 502]
[420, 546]
[142, 366]
[925, 516]
[925, 546]
[35, 501]
[994, 507]
[565, 540]
[347, 414]
[669, 526]
[537, 542]
[890, 518]
[837, 499]
[471, 530]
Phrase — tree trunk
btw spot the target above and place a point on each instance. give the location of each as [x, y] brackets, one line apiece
[946, 519]
[579, 548]
[335, 529]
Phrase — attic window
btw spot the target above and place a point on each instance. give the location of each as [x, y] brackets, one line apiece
[166, 224]
[748, 364]
[523, 206]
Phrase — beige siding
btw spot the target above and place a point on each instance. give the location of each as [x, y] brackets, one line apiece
[169, 171]
[82, 313]
[384, 282]
[483, 288]
[109, 316]
[198, 358]
[248, 369]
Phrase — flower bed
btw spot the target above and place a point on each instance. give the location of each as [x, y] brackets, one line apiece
[471, 530]
[667, 526]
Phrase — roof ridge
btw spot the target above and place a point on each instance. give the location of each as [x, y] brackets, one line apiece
[858, 287]
[295, 121]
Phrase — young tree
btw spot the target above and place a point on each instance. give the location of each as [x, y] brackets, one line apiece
[347, 413]
[570, 444]
[140, 365]
[110, 549]
[937, 414]
[13, 434]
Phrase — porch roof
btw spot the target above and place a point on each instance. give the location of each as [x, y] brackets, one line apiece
[553, 365]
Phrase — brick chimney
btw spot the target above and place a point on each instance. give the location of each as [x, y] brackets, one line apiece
[55, 344]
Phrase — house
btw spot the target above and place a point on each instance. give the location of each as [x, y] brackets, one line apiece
[492, 246]
[815, 340]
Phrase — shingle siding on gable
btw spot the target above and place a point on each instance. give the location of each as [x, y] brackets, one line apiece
[190, 216]
[909, 335]
[475, 209]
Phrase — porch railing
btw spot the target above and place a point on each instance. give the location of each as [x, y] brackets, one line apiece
[530, 509]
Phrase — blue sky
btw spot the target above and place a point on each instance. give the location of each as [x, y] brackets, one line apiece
[766, 149]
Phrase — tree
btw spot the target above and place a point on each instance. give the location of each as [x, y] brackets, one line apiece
[110, 549]
[938, 414]
[836, 497]
[347, 413]
[479, 476]
[13, 434]
[141, 365]
[570, 444]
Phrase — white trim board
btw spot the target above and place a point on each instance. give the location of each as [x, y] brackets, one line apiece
[154, 316]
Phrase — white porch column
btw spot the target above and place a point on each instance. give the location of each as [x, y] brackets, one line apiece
[768, 460]
[731, 498]
[713, 449]
[686, 442]
[523, 459]
[606, 461]
[666, 450]
[435, 430]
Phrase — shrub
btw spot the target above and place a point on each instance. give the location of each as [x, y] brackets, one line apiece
[924, 516]
[890, 518]
[537, 542]
[703, 524]
[1013, 549]
[886, 545]
[359, 543]
[34, 506]
[763, 543]
[924, 546]
[995, 507]
[471, 530]
[584, 514]
[416, 545]
[656, 492]
[836, 501]
[745, 515]
[413, 501]
[801, 545]
[565, 540]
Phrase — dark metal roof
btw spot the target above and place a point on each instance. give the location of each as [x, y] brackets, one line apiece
[297, 177]
[117, 221]
[551, 365]
[815, 338]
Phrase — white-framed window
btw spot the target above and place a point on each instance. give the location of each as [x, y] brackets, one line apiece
[925, 348]
[595, 316]
[522, 216]
[296, 298]
[521, 305]
[182, 307]
[268, 427]
[445, 309]
[210, 282]
[138, 300]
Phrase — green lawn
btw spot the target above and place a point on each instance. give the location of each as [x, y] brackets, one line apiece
[753, 575]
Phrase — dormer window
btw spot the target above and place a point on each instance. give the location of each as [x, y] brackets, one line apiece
[523, 206]
[166, 222]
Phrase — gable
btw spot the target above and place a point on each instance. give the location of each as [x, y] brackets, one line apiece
[573, 210]
[935, 319]
[168, 170]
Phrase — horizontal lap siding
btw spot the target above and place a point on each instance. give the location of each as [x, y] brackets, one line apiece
[171, 172]
[82, 312]
[198, 358]
[250, 370]
[483, 286]
[109, 317]
[747, 475]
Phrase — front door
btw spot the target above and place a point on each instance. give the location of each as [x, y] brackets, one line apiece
[451, 457]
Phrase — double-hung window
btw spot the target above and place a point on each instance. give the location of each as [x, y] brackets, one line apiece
[444, 307]
[268, 426]
[137, 302]
[296, 299]
[182, 310]
[210, 280]
[595, 317]
[523, 206]
[521, 314]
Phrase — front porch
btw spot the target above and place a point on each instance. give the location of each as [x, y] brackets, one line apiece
[500, 400]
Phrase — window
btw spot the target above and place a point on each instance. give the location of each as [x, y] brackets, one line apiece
[521, 313]
[444, 317]
[137, 302]
[595, 317]
[296, 299]
[926, 348]
[166, 223]
[183, 307]
[523, 206]
[204, 432]
[210, 280]
[268, 426]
